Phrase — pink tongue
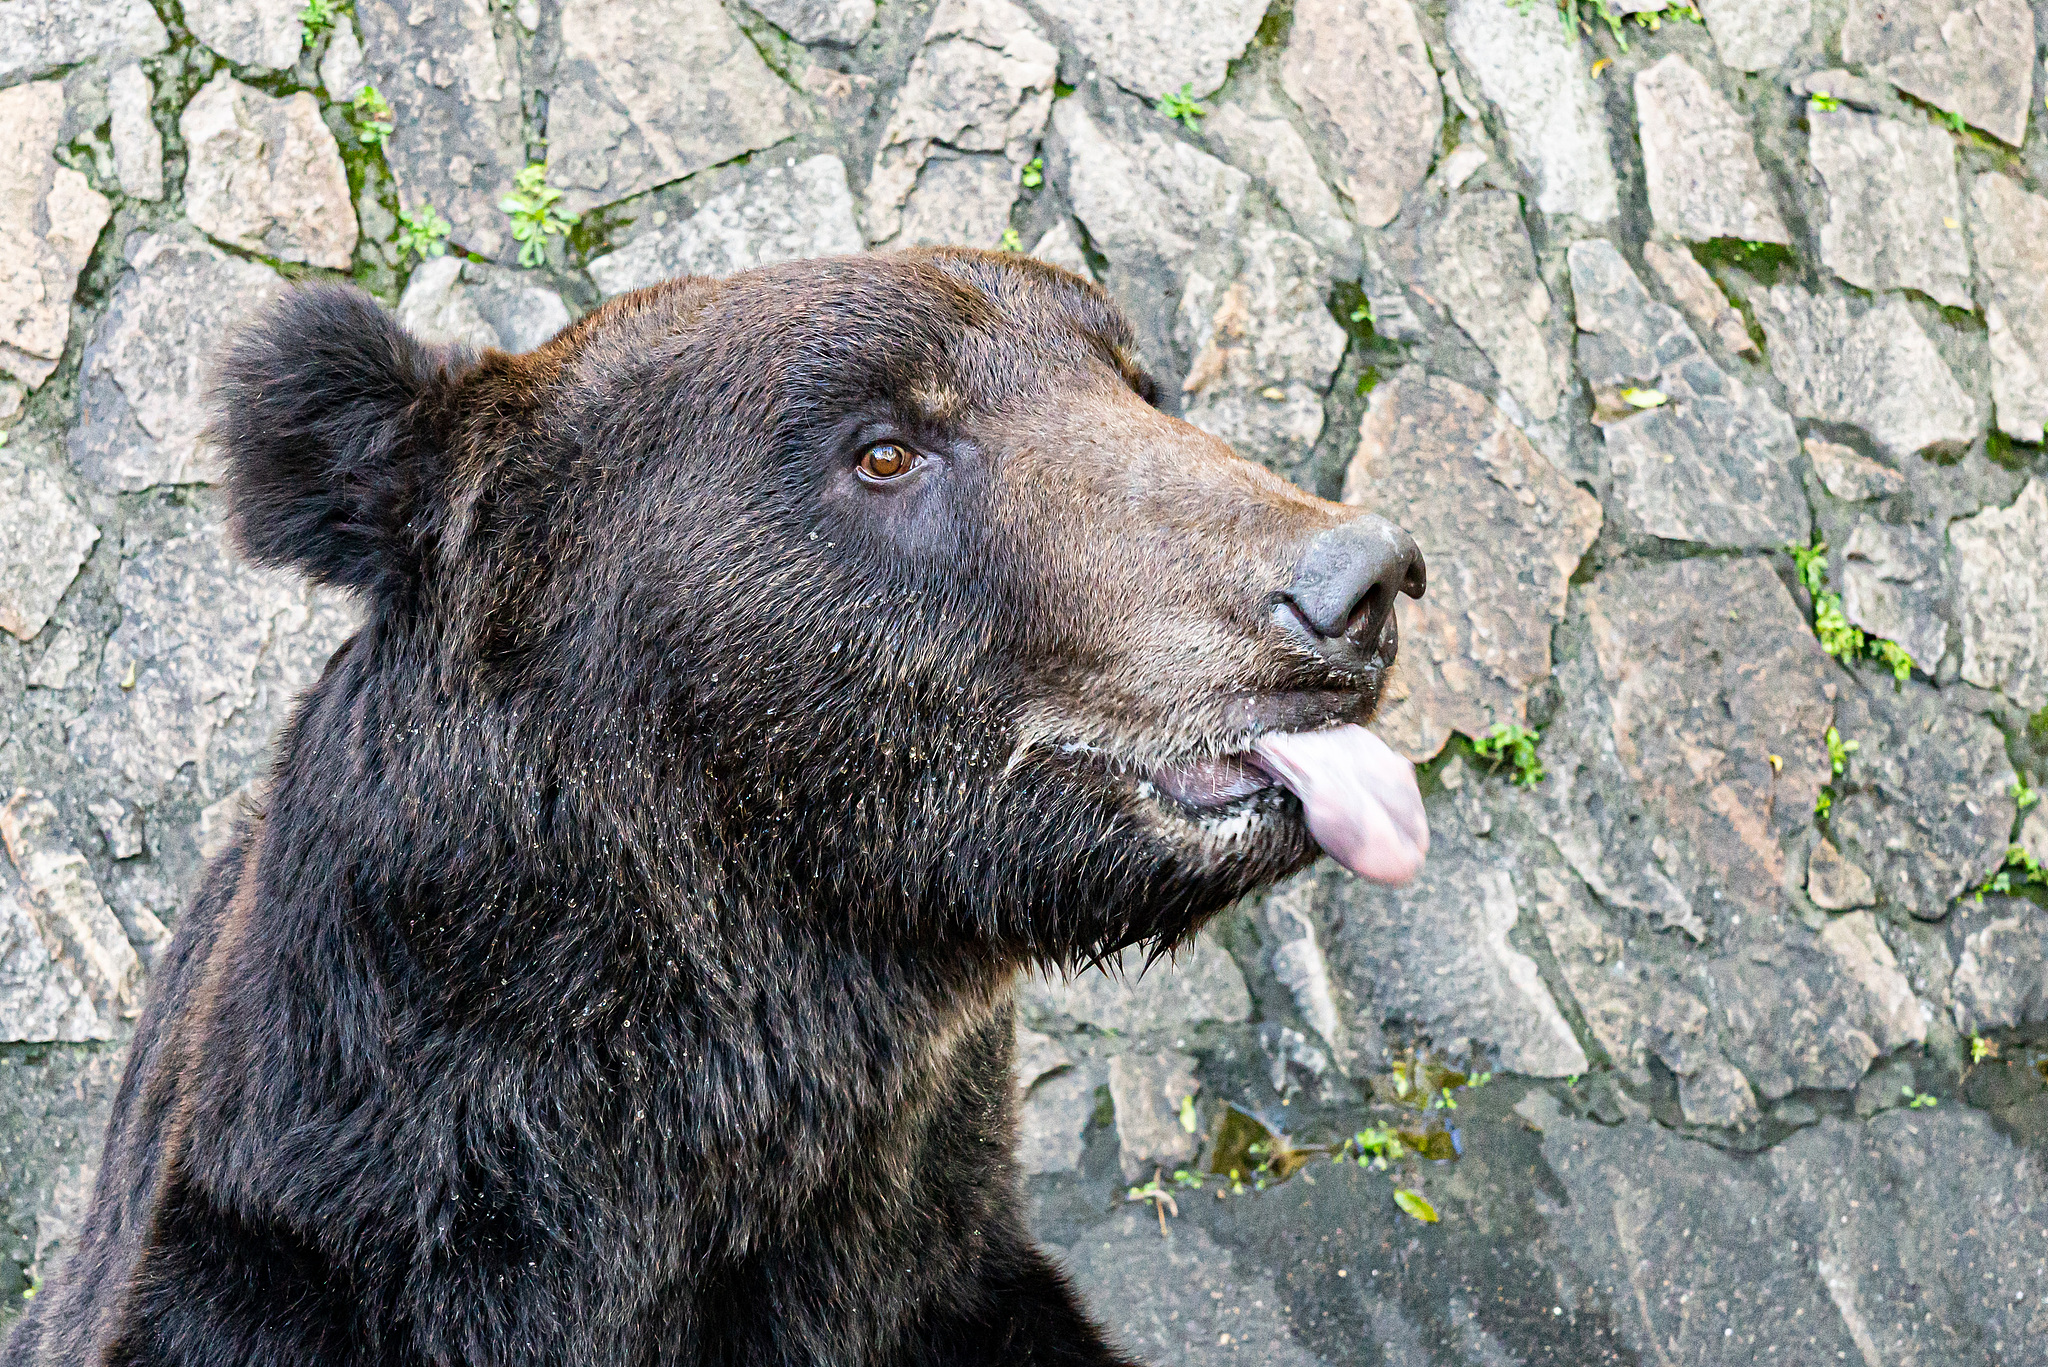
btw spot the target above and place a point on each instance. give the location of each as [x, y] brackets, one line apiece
[1360, 798]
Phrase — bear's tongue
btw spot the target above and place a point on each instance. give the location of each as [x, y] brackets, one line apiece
[1360, 798]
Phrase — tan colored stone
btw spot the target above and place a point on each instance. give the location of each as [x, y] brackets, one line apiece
[1975, 57]
[90, 977]
[1850, 475]
[50, 217]
[1835, 883]
[1148, 1091]
[1699, 160]
[1698, 296]
[2003, 593]
[1360, 71]
[265, 175]
[1127, 42]
[2010, 229]
[43, 542]
[1895, 209]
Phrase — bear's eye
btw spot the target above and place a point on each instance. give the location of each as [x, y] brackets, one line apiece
[885, 460]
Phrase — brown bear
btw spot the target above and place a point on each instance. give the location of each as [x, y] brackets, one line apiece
[751, 681]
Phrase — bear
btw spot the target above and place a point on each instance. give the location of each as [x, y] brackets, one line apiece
[751, 681]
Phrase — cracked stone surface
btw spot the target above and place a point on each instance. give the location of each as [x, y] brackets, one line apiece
[1709, 463]
[1477, 263]
[1756, 35]
[650, 91]
[1060, 247]
[2010, 229]
[1975, 59]
[1556, 125]
[141, 420]
[341, 65]
[452, 300]
[42, 36]
[1052, 1121]
[1300, 964]
[772, 212]
[253, 33]
[2002, 977]
[196, 623]
[1894, 207]
[1925, 805]
[1253, 133]
[1127, 42]
[44, 539]
[1360, 72]
[836, 23]
[67, 971]
[1200, 984]
[454, 67]
[1873, 368]
[50, 217]
[1698, 296]
[1147, 1091]
[1264, 348]
[1700, 161]
[2003, 596]
[138, 145]
[265, 175]
[1893, 587]
[1435, 957]
[1503, 531]
[966, 121]
[1850, 475]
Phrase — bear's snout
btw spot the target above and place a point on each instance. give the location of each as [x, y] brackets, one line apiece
[1341, 603]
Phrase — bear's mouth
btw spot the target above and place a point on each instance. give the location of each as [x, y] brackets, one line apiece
[1358, 798]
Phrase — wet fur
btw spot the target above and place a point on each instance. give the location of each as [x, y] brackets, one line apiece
[619, 972]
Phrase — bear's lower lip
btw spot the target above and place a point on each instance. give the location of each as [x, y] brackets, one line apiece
[1213, 781]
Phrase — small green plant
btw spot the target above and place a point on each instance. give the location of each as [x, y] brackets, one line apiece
[374, 120]
[2023, 797]
[1892, 656]
[535, 214]
[1180, 104]
[1188, 1120]
[1824, 802]
[317, 17]
[1919, 1101]
[1362, 312]
[1011, 242]
[1821, 100]
[1981, 1049]
[1644, 398]
[422, 232]
[1415, 1205]
[1952, 119]
[1839, 750]
[2020, 869]
[1034, 173]
[1517, 746]
[1161, 1199]
[1839, 636]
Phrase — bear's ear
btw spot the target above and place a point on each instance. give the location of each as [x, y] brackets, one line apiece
[325, 411]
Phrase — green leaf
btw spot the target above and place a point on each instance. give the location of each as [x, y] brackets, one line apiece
[1187, 1114]
[1415, 1205]
[1644, 398]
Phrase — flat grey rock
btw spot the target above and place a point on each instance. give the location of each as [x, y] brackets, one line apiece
[265, 174]
[1846, 86]
[1894, 208]
[1264, 347]
[53, 1109]
[1201, 983]
[1053, 1117]
[1873, 368]
[1699, 298]
[40, 36]
[341, 65]
[1756, 35]
[1360, 72]
[1836, 882]
[2001, 978]
[449, 299]
[1060, 246]
[1128, 42]
[1708, 462]
[835, 23]
[50, 217]
[1148, 1091]
[44, 540]
[772, 212]
[1973, 57]
[649, 91]
[1435, 955]
[196, 622]
[138, 145]
[142, 419]
[1503, 532]
[1925, 803]
[1470, 255]
[2003, 596]
[1535, 74]
[1291, 927]
[974, 101]
[1850, 475]
[453, 67]
[1699, 159]
[67, 971]
[1894, 588]
[2010, 229]
[1177, 1296]
[1252, 132]
[253, 33]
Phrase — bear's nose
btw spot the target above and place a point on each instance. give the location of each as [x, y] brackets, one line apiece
[1342, 598]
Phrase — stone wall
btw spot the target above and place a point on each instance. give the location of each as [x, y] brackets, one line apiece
[1609, 306]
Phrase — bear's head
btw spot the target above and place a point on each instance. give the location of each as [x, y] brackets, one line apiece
[876, 590]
